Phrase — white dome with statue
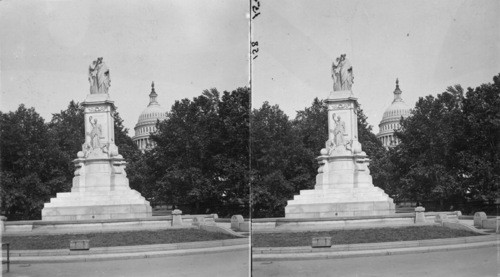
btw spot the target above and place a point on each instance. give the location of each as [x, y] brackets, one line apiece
[147, 121]
[391, 119]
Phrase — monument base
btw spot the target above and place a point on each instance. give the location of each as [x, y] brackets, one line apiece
[96, 205]
[343, 188]
[100, 190]
[331, 207]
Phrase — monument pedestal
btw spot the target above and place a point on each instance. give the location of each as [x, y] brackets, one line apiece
[343, 185]
[100, 187]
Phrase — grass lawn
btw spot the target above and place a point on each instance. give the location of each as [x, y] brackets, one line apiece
[61, 241]
[289, 239]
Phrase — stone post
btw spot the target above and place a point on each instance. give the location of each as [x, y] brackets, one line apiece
[235, 222]
[199, 220]
[478, 219]
[176, 217]
[419, 214]
[440, 218]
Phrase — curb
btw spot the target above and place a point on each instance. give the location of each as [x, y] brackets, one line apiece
[128, 252]
[373, 249]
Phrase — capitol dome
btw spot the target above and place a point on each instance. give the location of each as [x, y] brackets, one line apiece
[392, 116]
[147, 121]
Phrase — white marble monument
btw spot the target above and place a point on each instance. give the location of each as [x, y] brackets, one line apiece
[100, 187]
[343, 185]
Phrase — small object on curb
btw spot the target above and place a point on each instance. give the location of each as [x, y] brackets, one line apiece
[235, 222]
[199, 220]
[478, 219]
[321, 242]
[176, 217]
[441, 217]
[81, 244]
[419, 214]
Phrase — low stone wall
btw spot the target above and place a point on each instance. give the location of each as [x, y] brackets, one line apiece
[219, 229]
[86, 226]
[279, 224]
[393, 220]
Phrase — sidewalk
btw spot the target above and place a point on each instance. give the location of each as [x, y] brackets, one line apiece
[373, 249]
[128, 252]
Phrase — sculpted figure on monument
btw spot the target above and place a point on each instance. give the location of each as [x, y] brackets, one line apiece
[338, 131]
[95, 134]
[337, 142]
[99, 78]
[342, 74]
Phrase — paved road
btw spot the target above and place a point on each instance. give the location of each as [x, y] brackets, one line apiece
[473, 262]
[234, 263]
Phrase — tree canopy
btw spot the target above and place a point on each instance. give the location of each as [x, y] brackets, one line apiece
[36, 157]
[200, 162]
[449, 146]
[284, 153]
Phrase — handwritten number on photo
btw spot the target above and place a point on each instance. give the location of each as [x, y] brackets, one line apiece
[255, 49]
[255, 9]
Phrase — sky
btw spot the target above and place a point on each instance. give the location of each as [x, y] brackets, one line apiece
[185, 47]
[428, 45]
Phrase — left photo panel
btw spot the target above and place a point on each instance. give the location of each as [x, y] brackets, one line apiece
[124, 138]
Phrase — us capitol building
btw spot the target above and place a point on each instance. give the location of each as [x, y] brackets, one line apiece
[154, 112]
[391, 118]
[147, 121]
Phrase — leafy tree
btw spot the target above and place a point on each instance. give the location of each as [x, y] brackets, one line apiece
[201, 154]
[36, 158]
[284, 153]
[26, 171]
[273, 145]
[449, 146]
[480, 143]
[429, 142]
[68, 132]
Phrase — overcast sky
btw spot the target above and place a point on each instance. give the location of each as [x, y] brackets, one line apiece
[183, 46]
[428, 45]
[189, 46]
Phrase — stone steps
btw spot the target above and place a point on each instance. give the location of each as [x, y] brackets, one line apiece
[77, 196]
[337, 188]
[335, 197]
[105, 211]
[340, 194]
[94, 193]
[92, 203]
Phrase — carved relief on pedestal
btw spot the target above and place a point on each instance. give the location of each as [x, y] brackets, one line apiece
[337, 144]
[340, 106]
[96, 109]
[93, 148]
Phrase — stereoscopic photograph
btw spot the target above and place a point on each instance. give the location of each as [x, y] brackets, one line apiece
[375, 138]
[124, 138]
[249, 138]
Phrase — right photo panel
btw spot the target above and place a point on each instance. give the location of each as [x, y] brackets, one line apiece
[375, 138]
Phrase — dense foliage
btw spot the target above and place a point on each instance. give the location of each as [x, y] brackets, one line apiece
[36, 157]
[200, 162]
[449, 151]
[210, 149]
[284, 151]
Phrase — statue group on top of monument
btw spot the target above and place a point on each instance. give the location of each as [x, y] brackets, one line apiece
[99, 78]
[342, 74]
